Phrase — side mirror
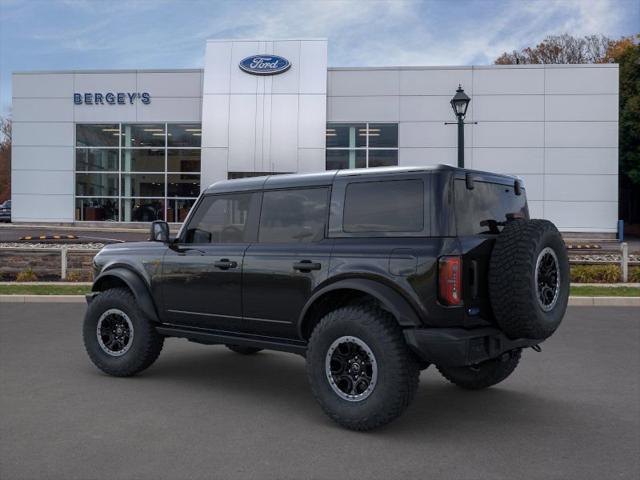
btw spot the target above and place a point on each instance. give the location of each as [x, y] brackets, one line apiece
[159, 231]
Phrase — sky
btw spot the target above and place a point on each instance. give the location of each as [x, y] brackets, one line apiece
[138, 34]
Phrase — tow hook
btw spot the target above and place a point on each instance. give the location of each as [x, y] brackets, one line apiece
[536, 348]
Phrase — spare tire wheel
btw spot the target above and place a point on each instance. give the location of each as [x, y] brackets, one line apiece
[529, 279]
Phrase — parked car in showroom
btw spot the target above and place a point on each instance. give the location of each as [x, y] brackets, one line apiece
[5, 211]
[371, 275]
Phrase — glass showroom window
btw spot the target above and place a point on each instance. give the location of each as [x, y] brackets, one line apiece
[361, 145]
[137, 172]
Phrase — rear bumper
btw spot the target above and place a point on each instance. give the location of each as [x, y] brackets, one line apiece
[459, 347]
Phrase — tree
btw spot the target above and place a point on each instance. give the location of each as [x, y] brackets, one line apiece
[5, 159]
[560, 49]
[600, 49]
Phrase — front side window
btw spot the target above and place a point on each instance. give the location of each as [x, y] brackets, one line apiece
[294, 216]
[387, 206]
[361, 145]
[221, 219]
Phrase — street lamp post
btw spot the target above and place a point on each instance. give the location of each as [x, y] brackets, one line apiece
[459, 104]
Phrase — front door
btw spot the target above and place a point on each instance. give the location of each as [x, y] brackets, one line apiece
[202, 272]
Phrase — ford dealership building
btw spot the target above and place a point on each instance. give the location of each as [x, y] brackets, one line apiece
[136, 145]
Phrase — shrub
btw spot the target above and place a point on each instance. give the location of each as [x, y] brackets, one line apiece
[27, 275]
[595, 273]
[634, 274]
[74, 277]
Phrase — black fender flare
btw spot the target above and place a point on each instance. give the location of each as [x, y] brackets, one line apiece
[137, 286]
[391, 300]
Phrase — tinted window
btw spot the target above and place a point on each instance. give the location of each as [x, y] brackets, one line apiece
[221, 219]
[293, 216]
[390, 206]
[482, 209]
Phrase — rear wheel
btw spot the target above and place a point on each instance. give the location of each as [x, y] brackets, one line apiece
[119, 339]
[360, 369]
[482, 375]
[241, 349]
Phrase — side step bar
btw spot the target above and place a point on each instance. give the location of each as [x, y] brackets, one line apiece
[212, 337]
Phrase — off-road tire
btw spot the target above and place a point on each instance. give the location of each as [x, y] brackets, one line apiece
[398, 369]
[512, 285]
[243, 350]
[145, 345]
[484, 374]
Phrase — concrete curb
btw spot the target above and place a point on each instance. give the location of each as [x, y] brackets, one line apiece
[573, 301]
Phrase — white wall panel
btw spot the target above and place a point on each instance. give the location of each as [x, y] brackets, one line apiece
[311, 160]
[242, 82]
[312, 120]
[430, 157]
[284, 133]
[509, 160]
[170, 110]
[42, 110]
[359, 109]
[40, 133]
[534, 185]
[582, 160]
[242, 133]
[288, 82]
[435, 81]
[170, 84]
[536, 208]
[352, 83]
[214, 166]
[508, 80]
[105, 82]
[313, 67]
[105, 113]
[55, 85]
[597, 188]
[581, 80]
[582, 108]
[429, 108]
[46, 182]
[430, 134]
[505, 134]
[215, 121]
[508, 108]
[583, 216]
[29, 208]
[581, 134]
[217, 75]
[42, 158]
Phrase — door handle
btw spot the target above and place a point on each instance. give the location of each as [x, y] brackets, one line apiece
[306, 266]
[225, 264]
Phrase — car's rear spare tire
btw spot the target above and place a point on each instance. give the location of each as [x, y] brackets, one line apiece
[529, 279]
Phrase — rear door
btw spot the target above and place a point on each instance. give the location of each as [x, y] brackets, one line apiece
[290, 258]
[202, 273]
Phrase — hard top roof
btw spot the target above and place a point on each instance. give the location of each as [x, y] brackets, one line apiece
[327, 178]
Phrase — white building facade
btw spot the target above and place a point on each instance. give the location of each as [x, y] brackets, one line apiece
[125, 146]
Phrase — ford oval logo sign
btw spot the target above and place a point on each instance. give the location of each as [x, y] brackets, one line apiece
[265, 64]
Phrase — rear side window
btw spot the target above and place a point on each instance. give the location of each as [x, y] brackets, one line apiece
[293, 216]
[222, 219]
[387, 206]
[485, 208]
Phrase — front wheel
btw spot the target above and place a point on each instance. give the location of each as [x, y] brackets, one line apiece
[360, 369]
[118, 337]
[485, 374]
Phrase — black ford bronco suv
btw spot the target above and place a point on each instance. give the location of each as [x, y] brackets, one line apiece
[372, 275]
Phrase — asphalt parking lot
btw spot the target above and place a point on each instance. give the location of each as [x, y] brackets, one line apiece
[570, 412]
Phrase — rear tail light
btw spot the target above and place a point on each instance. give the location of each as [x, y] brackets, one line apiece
[450, 280]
